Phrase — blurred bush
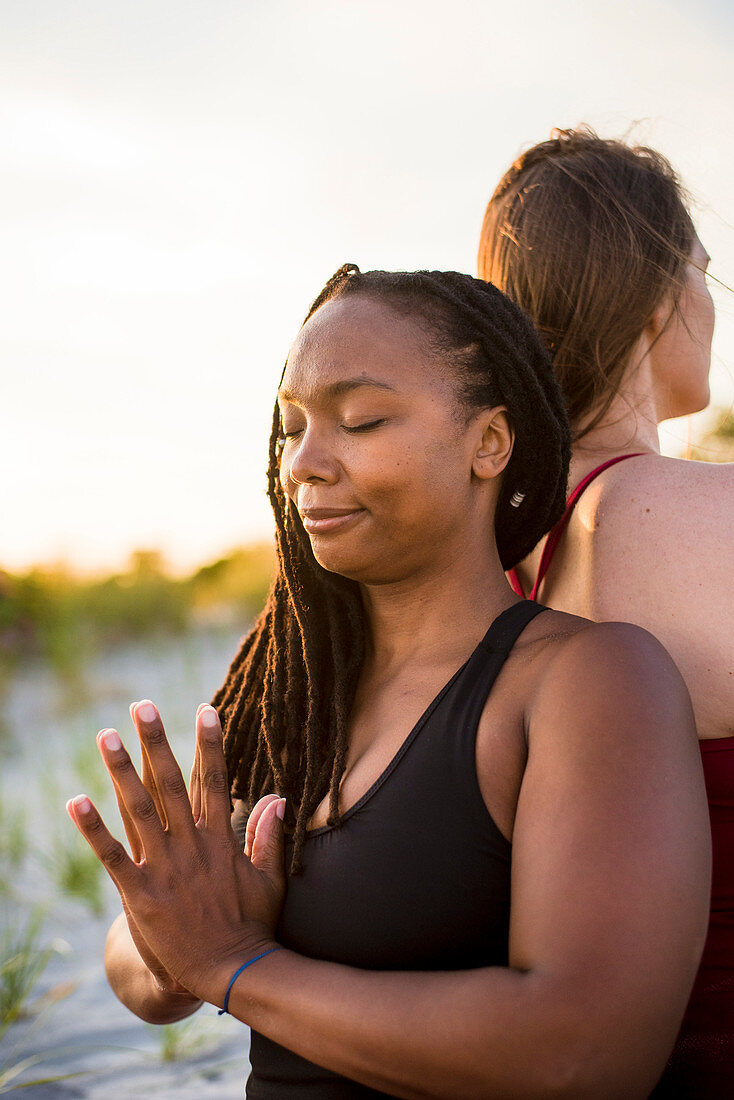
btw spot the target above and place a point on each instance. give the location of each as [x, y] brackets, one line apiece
[717, 445]
[58, 616]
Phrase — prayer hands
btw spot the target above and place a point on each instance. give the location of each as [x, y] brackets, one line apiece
[196, 904]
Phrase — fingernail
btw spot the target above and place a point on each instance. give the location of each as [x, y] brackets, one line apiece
[111, 740]
[208, 717]
[82, 804]
[280, 809]
[146, 712]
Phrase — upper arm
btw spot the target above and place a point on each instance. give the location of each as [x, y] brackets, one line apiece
[663, 558]
[611, 845]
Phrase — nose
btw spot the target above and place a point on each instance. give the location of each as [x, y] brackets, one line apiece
[307, 459]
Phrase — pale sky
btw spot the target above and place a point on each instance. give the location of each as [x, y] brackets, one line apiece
[178, 180]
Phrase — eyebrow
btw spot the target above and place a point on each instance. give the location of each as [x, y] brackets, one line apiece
[340, 388]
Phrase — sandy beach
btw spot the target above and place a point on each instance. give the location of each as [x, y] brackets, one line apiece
[75, 1039]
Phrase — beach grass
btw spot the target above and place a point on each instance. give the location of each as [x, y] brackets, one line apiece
[22, 962]
[13, 844]
[182, 1040]
[78, 873]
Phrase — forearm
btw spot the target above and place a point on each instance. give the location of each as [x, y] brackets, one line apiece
[467, 1034]
[135, 986]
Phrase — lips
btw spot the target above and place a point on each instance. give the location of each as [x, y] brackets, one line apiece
[326, 520]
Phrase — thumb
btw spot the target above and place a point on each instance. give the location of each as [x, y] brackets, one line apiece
[268, 846]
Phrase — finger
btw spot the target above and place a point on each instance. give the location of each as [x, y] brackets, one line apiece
[195, 778]
[268, 846]
[109, 851]
[131, 832]
[146, 771]
[164, 770]
[253, 819]
[134, 796]
[213, 779]
[195, 786]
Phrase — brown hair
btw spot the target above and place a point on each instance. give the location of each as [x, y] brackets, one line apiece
[588, 235]
[286, 700]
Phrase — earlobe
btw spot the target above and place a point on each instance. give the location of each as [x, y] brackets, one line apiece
[495, 447]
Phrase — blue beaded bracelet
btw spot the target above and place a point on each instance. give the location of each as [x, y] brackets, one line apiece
[235, 976]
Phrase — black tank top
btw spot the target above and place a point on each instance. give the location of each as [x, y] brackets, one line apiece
[418, 875]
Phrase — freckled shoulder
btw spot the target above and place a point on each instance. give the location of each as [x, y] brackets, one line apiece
[651, 493]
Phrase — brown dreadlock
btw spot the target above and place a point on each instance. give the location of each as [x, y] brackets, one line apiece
[285, 703]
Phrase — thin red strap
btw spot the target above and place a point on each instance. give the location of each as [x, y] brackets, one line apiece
[555, 534]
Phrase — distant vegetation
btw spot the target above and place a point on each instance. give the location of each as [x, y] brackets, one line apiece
[717, 445]
[58, 616]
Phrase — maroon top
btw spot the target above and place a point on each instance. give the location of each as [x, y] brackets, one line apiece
[701, 1066]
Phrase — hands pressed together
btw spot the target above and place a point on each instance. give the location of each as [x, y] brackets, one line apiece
[197, 906]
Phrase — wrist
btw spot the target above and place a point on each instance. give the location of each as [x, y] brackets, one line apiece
[250, 953]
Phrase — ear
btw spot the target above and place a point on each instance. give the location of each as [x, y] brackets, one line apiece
[495, 445]
[659, 320]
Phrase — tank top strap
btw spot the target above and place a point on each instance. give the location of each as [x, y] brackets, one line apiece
[485, 664]
[555, 534]
[451, 744]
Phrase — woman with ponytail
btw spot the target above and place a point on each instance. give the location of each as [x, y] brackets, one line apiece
[475, 847]
[592, 238]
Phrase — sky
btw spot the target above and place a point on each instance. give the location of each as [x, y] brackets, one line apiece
[179, 179]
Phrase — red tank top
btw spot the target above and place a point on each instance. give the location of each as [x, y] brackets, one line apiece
[701, 1066]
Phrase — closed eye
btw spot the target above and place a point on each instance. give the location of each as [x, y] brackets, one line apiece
[366, 427]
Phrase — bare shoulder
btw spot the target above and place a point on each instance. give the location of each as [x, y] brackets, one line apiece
[660, 496]
[652, 543]
[564, 646]
[612, 673]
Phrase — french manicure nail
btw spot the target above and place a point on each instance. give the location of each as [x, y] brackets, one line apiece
[208, 716]
[82, 804]
[146, 712]
[280, 809]
[111, 740]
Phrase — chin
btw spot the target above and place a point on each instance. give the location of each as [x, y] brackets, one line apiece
[697, 403]
[349, 563]
[359, 565]
[695, 400]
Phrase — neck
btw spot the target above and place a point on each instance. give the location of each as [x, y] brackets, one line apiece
[629, 425]
[436, 617]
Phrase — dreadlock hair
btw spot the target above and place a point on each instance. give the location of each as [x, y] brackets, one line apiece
[286, 700]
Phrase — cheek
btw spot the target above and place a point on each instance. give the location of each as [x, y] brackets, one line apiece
[418, 487]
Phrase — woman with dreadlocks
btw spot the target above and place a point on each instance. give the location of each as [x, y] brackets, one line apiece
[593, 240]
[496, 843]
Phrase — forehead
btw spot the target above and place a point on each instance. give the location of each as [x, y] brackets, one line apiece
[359, 337]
